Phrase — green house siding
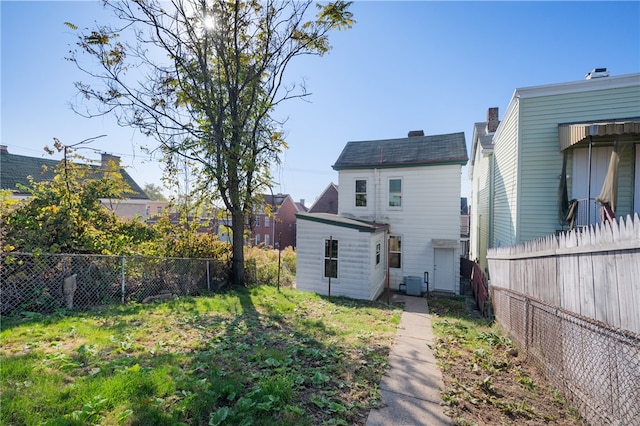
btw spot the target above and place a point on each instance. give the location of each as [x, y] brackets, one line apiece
[506, 171]
[625, 180]
[541, 161]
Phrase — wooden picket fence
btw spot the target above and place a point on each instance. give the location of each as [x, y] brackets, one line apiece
[593, 272]
[572, 304]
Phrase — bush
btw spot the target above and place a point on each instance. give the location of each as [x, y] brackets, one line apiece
[262, 266]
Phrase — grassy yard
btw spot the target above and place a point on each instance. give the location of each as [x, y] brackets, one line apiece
[487, 381]
[257, 356]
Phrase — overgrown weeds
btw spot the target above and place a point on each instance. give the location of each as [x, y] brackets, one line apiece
[487, 380]
[254, 356]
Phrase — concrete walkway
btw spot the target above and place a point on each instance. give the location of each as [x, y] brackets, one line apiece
[410, 389]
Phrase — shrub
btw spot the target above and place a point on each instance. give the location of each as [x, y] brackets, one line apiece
[262, 266]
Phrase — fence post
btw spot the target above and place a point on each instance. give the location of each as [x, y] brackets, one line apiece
[527, 324]
[122, 289]
[208, 278]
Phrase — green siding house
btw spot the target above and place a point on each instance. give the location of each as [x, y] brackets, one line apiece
[553, 137]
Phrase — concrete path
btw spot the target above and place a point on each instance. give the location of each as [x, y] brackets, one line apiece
[410, 389]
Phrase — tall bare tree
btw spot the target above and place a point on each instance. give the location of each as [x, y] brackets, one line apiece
[203, 78]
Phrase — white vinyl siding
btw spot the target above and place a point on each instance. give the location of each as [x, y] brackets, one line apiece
[358, 276]
[347, 198]
[430, 210]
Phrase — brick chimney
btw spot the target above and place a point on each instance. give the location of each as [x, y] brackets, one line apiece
[4, 149]
[414, 133]
[492, 120]
[108, 161]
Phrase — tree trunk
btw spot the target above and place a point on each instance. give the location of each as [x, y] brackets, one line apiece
[237, 262]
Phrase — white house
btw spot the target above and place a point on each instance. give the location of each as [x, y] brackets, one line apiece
[482, 186]
[519, 181]
[398, 217]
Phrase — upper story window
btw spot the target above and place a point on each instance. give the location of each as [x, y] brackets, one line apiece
[266, 221]
[395, 192]
[257, 221]
[361, 193]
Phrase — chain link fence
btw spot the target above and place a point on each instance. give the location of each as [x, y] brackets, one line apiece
[596, 366]
[47, 282]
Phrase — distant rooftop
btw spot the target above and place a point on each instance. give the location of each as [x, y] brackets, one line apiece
[15, 169]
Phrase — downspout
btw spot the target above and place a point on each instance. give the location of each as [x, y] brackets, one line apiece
[491, 201]
[388, 250]
[376, 178]
[589, 180]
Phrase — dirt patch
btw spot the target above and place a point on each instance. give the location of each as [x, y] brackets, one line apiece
[488, 381]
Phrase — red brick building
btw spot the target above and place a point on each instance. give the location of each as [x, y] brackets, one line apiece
[276, 221]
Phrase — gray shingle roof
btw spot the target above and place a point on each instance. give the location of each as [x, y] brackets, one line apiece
[405, 152]
[15, 169]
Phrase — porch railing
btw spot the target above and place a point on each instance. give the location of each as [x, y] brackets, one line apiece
[588, 213]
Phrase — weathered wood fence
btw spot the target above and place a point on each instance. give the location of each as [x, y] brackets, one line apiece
[594, 272]
[572, 303]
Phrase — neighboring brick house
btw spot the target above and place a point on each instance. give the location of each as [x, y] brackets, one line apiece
[327, 202]
[275, 221]
[15, 169]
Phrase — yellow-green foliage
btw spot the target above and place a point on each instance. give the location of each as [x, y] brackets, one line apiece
[184, 240]
[262, 266]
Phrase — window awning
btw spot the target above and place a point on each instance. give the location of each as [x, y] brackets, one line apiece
[572, 134]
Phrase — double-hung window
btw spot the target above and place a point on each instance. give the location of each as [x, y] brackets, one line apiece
[395, 192]
[361, 193]
[377, 253]
[331, 258]
[395, 251]
[266, 221]
[257, 222]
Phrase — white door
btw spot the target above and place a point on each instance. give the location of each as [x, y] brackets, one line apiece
[581, 187]
[443, 273]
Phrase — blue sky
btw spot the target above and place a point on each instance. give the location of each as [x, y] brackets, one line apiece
[435, 66]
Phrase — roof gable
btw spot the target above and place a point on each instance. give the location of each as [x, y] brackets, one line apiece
[405, 152]
[327, 202]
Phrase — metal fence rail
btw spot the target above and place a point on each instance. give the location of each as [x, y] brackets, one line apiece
[47, 282]
[596, 366]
